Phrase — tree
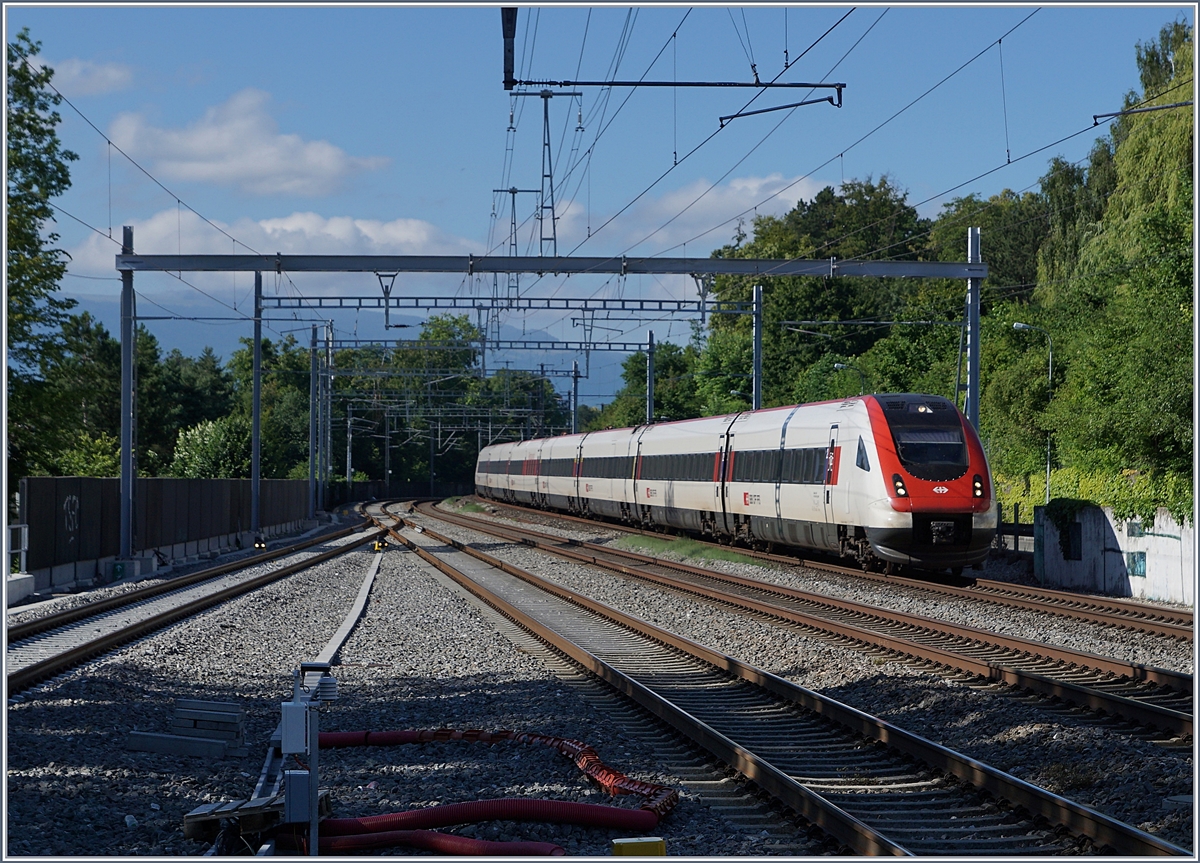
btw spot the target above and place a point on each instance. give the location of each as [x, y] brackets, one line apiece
[284, 400]
[214, 449]
[37, 172]
[202, 389]
[865, 219]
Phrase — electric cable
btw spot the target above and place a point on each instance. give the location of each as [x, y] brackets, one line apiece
[711, 136]
[958, 186]
[179, 201]
[59, 209]
[845, 150]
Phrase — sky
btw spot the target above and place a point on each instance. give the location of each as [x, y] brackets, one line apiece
[383, 129]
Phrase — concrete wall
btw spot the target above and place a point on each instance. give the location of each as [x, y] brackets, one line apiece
[1108, 550]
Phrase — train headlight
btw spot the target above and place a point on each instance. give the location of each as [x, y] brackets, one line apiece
[898, 484]
[977, 489]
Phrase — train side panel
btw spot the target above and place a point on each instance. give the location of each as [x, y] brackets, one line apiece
[895, 478]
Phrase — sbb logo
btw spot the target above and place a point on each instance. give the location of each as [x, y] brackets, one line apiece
[940, 489]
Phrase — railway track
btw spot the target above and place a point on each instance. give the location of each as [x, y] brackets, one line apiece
[871, 785]
[1148, 696]
[1125, 614]
[53, 644]
[55, 620]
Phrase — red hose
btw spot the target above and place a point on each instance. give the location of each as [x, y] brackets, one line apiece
[445, 843]
[659, 798]
[547, 811]
[411, 828]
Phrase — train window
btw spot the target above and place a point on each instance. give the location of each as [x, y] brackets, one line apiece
[862, 461]
[931, 453]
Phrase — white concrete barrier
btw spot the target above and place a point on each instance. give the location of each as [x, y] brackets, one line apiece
[1103, 555]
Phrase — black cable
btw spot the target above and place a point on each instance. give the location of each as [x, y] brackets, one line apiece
[856, 143]
[992, 170]
[761, 141]
[82, 222]
[714, 134]
[134, 162]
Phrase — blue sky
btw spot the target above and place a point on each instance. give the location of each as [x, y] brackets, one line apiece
[383, 129]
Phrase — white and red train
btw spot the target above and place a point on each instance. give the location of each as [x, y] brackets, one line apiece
[885, 479]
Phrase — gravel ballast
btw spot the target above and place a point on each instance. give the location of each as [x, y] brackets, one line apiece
[1126, 777]
[1156, 650]
[422, 657]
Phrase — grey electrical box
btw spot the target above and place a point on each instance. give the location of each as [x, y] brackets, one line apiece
[295, 796]
[293, 737]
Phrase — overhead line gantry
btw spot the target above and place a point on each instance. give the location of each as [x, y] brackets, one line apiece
[127, 263]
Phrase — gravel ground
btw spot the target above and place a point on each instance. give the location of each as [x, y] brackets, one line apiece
[1159, 651]
[421, 658]
[1118, 774]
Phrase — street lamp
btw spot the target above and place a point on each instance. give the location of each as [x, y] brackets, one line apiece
[861, 377]
[1049, 392]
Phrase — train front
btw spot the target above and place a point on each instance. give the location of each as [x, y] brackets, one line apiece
[939, 512]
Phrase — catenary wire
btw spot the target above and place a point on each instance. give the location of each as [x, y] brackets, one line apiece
[691, 152]
[845, 150]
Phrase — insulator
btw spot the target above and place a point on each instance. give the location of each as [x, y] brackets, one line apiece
[327, 689]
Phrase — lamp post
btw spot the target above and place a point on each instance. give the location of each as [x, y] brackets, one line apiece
[861, 377]
[1049, 391]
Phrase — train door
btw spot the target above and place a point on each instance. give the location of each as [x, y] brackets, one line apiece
[832, 460]
[576, 472]
[541, 495]
[779, 477]
[640, 510]
[723, 475]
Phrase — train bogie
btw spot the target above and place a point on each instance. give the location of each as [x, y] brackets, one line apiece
[883, 478]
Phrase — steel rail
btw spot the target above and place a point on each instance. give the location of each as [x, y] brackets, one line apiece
[917, 626]
[1176, 623]
[1105, 831]
[832, 819]
[38, 625]
[30, 674]
[1181, 616]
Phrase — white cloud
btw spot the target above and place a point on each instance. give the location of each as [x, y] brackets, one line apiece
[75, 77]
[169, 232]
[703, 218]
[239, 144]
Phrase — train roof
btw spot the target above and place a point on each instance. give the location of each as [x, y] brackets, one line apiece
[888, 401]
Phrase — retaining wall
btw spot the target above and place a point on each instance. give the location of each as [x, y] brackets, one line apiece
[1104, 555]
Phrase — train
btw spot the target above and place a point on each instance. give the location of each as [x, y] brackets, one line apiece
[885, 480]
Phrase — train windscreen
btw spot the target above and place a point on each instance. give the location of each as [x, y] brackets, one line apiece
[929, 440]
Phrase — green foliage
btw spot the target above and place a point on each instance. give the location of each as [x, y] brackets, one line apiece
[676, 386]
[37, 172]
[89, 456]
[214, 449]
[684, 548]
[1129, 493]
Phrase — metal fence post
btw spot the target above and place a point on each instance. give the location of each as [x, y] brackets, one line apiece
[649, 376]
[125, 548]
[256, 410]
[973, 288]
[756, 400]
